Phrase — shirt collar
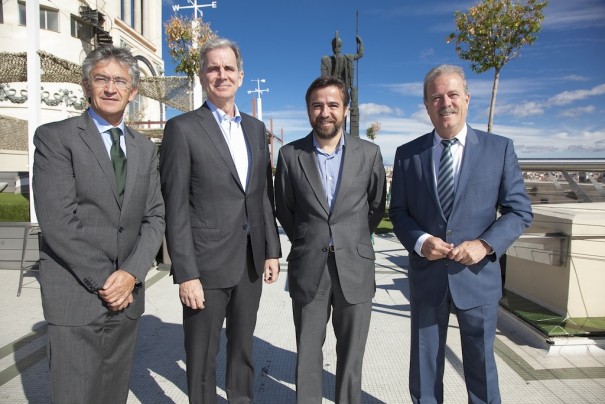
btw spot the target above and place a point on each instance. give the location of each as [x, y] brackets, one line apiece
[102, 124]
[221, 116]
[341, 144]
[461, 137]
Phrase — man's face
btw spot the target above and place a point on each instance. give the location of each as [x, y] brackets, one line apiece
[447, 104]
[327, 112]
[220, 76]
[109, 88]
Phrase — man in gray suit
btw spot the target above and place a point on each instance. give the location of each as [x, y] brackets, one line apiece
[458, 203]
[221, 230]
[330, 197]
[101, 229]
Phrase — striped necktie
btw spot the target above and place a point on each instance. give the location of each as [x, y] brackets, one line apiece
[445, 181]
[118, 160]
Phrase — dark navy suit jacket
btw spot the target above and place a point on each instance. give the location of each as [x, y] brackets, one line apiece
[490, 204]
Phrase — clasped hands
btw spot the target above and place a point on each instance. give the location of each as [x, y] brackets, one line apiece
[466, 253]
[191, 292]
[117, 290]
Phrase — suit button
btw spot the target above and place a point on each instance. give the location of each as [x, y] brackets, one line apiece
[245, 227]
[324, 249]
[449, 233]
[120, 229]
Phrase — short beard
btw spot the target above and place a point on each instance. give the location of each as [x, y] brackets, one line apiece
[326, 134]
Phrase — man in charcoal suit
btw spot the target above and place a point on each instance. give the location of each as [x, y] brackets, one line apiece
[98, 201]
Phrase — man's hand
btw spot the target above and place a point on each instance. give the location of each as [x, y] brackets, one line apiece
[117, 290]
[271, 270]
[192, 294]
[470, 252]
[434, 248]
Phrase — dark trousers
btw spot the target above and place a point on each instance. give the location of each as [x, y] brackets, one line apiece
[92, 363]
[351, 325]
[239, 305]
[428, 344]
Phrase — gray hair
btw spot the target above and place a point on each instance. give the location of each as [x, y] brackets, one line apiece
[108, 53]
[444, 69]
[216, 43]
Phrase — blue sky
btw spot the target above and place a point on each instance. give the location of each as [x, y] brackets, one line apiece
[551, 100]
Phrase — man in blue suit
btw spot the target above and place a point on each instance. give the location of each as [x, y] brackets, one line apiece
[456, 207]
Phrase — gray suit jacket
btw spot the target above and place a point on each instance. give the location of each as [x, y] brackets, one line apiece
[209, 216]
[86, 233]
[303, 212]
[489, 180]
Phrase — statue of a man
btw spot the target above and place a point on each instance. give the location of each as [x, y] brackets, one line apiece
[341, 66]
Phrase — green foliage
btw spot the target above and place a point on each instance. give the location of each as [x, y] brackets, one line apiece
[14, 208]
[373, 130]
[492, 33]
[184, 37]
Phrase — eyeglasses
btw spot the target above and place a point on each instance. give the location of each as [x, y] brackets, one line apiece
[102, 81]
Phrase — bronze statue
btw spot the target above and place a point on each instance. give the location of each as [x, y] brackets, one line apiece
[341, 66]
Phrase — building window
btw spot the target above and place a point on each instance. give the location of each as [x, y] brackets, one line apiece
[21, 13]
[49, 18]
[80, 29]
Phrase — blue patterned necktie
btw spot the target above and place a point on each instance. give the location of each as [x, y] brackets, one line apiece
[118, 160]
[445, 181]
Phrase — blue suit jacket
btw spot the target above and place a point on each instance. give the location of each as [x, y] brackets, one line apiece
[489, 182]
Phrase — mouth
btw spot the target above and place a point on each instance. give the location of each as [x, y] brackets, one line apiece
[447, 112]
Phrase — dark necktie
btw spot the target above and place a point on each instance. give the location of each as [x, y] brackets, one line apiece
[118, 159]
[445, 181]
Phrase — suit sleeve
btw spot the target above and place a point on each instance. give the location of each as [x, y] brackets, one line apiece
[152, 228]
[56, 203]
[272, 244]
[377, 192]
[514, 206]
[175, 174]
[284, 196]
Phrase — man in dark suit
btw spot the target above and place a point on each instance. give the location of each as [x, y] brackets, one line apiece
[456, 206]
[330, 197]
[101, 229]
[221, 231]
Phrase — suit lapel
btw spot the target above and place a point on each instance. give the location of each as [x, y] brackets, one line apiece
[308, 165]
[132, 163]
[471, 152]
[213, 131]
[91, 136]
[426, 162]
[351, 158]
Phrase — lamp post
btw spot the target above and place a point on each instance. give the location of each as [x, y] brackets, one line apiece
[258, 91]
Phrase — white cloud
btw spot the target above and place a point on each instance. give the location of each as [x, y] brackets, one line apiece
[575, 77]
[575, 112]
[369, 109]
[567, 97]
[520, 110]
[564, 14]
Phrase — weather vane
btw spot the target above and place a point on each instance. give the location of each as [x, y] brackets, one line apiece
[196, 7]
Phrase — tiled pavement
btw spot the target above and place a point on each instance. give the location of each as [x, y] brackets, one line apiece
[529, 371]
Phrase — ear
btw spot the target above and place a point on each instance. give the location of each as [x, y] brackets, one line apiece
[241, 79]
[86, 88]
[133, 93]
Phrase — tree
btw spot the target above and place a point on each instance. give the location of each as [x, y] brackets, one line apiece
[180, 33]
[492, 33]
[372, 131]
